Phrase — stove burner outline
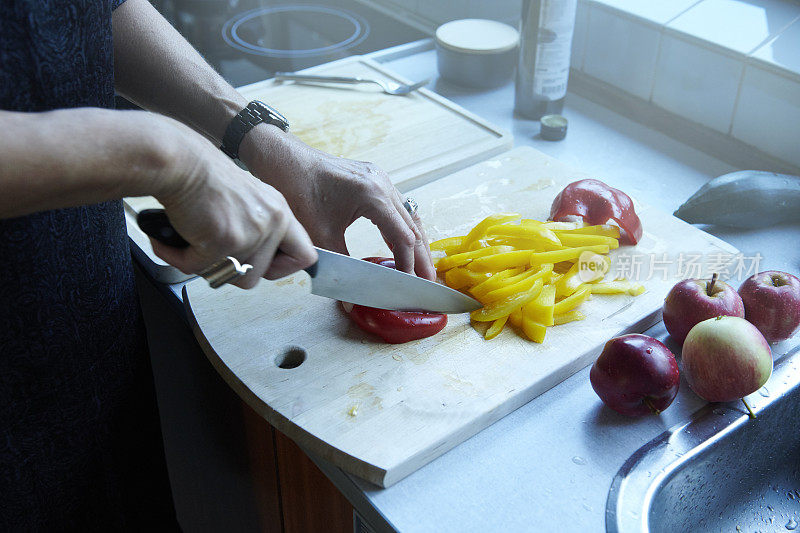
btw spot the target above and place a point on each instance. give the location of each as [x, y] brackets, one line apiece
[231, 27]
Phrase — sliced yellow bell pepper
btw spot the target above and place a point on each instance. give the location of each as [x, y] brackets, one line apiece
[526, 281]
[459, 277]
[480, 229]
[533, 330]
[570, 282]
[526, 231]
[501, 261]
[500, 308]
[617, 287]
[495, 281]
[495, 329]
[569, 316]
[570, 302]
[583, 239]
[515, 318]
[450, 245]
[541, 309]
[606, 230]
[461, 259]
[567, 254]
[557, 226]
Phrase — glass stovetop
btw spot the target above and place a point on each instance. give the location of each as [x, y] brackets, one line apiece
[247, 41]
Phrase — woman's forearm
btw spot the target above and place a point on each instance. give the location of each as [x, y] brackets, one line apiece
[156, 68]
[80, 156]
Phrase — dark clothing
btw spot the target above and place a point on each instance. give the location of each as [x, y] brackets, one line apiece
[80, 442]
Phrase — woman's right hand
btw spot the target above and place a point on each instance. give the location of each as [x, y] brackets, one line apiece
[222, 210]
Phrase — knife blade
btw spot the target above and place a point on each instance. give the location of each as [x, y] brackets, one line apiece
[345, 278]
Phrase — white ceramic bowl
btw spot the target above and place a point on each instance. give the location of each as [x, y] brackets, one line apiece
[476, 52]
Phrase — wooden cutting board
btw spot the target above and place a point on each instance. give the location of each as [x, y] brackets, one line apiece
[382, 411]
[414, 138]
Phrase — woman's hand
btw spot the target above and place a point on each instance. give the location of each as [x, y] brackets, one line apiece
[222, 210]
[329, 193]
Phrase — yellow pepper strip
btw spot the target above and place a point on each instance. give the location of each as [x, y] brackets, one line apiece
[533, 330]
[558, 226]
[617, 287]
[495, 281]
[459, 277]
[516, 318]
[530, 222]
[495, 329]
[606, 230]
[480, 230]
[541, 309]
[501, 261]
[461, 259]
[568, 254]
[569, 316]
[529, 277]
[500, 308]
[583, 239]
[526, 231]
[570, 282]
[450, 245]
[509, 290]
[477, 245]
[570, 302]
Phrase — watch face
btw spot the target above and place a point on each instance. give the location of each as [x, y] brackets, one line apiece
[273, 115]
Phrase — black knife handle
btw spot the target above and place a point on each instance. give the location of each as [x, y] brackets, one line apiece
[154, 223]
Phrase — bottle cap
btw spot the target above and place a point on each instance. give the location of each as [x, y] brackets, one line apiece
[553, 127]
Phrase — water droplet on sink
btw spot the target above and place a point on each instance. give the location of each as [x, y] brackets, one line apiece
[578, 460]
[764, 392]
[791, 524]
[718, 411]
[587, 507]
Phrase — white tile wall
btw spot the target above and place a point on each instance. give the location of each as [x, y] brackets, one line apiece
[621, 50]
[697, 83]
[768, 113]
[784, 50]
[656, 11]
[740, 25]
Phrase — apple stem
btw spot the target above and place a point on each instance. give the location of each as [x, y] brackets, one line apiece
[749, 410]
[710, 287]
[649, 403]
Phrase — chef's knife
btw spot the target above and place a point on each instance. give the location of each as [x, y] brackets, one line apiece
[344, 278]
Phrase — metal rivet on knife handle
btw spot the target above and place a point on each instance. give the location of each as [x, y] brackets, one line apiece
[224, 271]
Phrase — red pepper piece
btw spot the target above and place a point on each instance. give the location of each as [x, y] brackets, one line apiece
[396, 327]
[597, 203]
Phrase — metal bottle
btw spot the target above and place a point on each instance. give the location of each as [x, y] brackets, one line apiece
[545, 46]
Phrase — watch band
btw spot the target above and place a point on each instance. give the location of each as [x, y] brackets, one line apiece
[256, 112]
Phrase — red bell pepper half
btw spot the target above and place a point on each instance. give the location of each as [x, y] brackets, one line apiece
[396, 327]
[597, 203]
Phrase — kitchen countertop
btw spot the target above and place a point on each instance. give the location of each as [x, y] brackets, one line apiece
[549, 464]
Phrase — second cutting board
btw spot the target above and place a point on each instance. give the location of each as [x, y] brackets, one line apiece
[382, 411]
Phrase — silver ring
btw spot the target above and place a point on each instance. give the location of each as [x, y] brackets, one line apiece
[224, 271]
[411, 206]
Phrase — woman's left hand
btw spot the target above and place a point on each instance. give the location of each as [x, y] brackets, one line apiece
[328, 193]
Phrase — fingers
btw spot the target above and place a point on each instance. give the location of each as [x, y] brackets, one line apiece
[396, 232]
[423, 262]
[296, 252]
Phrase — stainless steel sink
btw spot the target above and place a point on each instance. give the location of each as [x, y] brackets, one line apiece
[721, 471]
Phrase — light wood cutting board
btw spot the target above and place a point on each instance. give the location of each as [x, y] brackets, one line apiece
[414, 138]
[382, 411]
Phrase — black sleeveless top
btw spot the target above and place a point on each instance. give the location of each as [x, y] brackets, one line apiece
[79, 437]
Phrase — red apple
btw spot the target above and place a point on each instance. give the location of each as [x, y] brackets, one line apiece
[693, 300]
[772, 303]
[635, 375]
[726, 358]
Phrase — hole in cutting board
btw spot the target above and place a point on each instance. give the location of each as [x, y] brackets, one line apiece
[292, 357]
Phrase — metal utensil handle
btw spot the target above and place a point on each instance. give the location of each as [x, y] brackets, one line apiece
[312, 77]
[155, 224]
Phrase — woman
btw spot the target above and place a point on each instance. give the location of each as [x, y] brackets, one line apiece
[79, 438]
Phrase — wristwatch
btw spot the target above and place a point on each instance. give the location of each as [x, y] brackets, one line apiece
[253, 114]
